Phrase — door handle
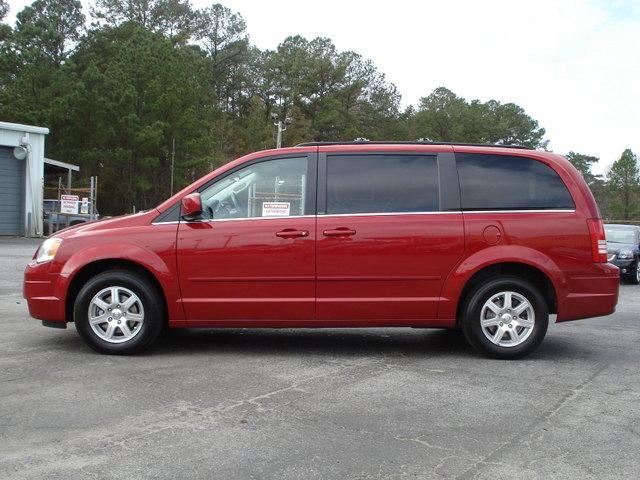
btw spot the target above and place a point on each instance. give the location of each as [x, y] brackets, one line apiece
[339, 232]
[292, 233]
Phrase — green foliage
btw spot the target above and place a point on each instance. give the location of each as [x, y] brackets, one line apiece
[445, 117]
[33, 74]
[583, 164]
[48, 28]
[624, 187]
[342, 95]
[149, 73]
[5, 34]
[173, 18]
[598, 186]
[135, 93]
[4, 9]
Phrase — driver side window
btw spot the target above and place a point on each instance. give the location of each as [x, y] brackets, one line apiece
[273, 188]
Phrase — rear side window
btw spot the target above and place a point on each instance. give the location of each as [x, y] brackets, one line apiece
[381, 183]
[499, 182]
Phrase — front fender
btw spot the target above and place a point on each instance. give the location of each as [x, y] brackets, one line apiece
[117, 251]
[163, 269]
[460, 275]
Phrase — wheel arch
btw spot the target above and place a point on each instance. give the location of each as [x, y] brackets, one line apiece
[98, 258]
[96, 267]
[539, 278]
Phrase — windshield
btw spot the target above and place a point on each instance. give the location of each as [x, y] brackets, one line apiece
[620, 235]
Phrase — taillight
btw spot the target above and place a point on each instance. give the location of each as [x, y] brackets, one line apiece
[598, 240]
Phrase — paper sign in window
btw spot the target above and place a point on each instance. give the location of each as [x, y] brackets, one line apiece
[276, 209]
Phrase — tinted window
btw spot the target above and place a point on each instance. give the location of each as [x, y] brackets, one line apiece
[381, 183]
[498, 182]
[273, 188]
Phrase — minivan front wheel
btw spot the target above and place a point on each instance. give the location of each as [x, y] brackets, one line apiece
[506, 317]
[118, 312]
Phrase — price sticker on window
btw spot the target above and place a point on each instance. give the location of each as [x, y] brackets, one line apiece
[276, 209]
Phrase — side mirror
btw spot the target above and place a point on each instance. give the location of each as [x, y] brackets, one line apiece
[191, 206]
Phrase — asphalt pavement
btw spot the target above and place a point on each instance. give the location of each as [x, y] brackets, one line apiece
[316, 404]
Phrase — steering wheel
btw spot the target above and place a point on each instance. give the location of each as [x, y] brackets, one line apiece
[211, 209]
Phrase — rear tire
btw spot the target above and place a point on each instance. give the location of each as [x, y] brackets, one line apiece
[119, 312]
[505, 317]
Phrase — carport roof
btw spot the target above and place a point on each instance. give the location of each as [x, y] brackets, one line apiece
[61, 165]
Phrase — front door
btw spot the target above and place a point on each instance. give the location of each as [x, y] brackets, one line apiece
[385, 245]
[251, 257]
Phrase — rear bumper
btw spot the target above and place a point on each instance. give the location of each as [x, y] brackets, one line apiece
[593, 294]
[42, 291]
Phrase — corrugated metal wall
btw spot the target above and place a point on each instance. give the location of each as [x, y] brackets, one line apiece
[11, 135]
[12, 184]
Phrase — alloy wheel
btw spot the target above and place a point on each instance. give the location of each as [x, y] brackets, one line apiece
[507, 319]
[116, 314]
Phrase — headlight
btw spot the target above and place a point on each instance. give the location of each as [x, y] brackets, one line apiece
[625, 254]
[48, 249]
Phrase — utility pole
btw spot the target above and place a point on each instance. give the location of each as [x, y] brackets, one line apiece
[280, 126]
[173, 160]
[279, 134]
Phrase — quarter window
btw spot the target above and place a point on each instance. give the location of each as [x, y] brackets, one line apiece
[381, 183]
[273, 188]
[499, 182]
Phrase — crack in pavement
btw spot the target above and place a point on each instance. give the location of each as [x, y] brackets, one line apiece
[179, 418]
[529, 429]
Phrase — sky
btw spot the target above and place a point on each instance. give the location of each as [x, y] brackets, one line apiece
[572, 65]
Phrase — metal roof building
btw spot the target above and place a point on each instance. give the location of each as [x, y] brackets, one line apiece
[22, 169]
[21, 177]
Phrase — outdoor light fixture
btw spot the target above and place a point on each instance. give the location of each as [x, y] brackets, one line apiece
[20, 152]
[281, 126]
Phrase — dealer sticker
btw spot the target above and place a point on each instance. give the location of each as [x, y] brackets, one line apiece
[276, 209]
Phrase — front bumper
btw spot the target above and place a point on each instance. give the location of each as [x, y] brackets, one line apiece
[625, 266]
[42, 291]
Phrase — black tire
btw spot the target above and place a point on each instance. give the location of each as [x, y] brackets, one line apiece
[472, 311]
[633, 278]
[152, 303]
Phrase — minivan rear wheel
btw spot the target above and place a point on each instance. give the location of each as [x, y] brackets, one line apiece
[505, 317]
[119, 312]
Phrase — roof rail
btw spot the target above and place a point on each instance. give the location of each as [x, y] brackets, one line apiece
[364, 141]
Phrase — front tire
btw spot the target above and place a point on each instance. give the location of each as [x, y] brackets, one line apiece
[505, 317]
[119, 312]
[634, 277]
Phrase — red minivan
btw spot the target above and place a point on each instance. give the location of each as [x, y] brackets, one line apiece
[486, 239]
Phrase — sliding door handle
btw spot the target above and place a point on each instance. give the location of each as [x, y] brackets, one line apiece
[292, 233]
[339, 232]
